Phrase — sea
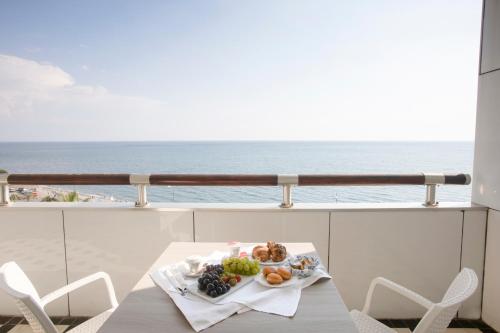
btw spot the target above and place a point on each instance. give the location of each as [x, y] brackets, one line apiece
[248, 157]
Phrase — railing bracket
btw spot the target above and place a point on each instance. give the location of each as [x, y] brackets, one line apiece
[141, 181]
[432, 180]
[4, 190]
[430, 196]
[287, 181]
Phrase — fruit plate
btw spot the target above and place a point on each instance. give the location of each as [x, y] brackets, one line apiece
[276, 263]
[193, 289]
[260, 278]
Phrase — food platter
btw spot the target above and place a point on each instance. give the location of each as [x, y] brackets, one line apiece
[276, 263]
[268, 265]
[303, 266]
[270, 254]
[193, 289]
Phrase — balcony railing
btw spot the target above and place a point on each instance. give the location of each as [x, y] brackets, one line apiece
[430, 180]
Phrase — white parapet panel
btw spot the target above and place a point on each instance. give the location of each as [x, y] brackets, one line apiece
[122, 242]
[491, 297]
[419, 249]
[34, 238]
[255, 226]
[486, 178]
[490, 53]
[473, 245]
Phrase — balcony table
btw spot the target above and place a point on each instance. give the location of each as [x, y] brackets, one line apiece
[147, 308]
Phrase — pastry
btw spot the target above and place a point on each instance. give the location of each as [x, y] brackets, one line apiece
[298, 265]
[274, 278]
[284, 273]
[267, 270]
[277, 252]
[261, 253]
[302, 264]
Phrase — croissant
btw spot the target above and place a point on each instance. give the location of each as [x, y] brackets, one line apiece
[261, 253]
[276, 251]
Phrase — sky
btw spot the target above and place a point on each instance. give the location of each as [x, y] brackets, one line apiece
[238, 70]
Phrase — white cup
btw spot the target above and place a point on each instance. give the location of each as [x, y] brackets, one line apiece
[194, 263]
[234, 250]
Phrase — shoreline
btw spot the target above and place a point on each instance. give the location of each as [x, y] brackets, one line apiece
[38, 193]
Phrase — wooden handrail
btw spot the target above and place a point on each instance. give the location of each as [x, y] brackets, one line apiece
[214, 180]
[230, 179]
[350, 180]
[68, 179]
[286, 181]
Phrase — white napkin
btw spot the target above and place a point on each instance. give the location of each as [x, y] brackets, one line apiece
[280, 301]
[199, 313]
[202, 314]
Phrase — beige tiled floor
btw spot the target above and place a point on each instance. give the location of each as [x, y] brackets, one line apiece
[61, 328]
[449, 330]
[27, 329]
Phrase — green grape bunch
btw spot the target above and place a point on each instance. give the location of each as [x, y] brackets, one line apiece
[242, 266]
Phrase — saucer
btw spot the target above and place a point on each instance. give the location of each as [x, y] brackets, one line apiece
[195, 274]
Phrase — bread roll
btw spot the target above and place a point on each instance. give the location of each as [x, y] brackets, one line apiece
[284, 273]
[274, 278]
[267, 270]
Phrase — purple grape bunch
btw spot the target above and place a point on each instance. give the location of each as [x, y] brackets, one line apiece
[211, 281]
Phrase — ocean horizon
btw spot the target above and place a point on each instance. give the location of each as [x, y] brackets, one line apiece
[248, 156]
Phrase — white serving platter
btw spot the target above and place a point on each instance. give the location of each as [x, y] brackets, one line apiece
[276, 263]
[193, 289]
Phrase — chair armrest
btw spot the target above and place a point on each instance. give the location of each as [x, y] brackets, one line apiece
[396, 288]
[80, 283]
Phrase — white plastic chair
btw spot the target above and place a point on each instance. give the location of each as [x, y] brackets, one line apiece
[438, 315]
[18, 285]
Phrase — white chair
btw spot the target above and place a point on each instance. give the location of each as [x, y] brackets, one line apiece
[438, 315]
[18, 285]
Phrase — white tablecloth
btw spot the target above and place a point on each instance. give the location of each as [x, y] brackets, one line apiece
[202, 314]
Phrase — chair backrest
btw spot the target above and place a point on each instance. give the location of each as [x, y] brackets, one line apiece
[15, 283]
[439, 316]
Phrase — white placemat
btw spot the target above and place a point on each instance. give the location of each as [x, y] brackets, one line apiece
[202, 314]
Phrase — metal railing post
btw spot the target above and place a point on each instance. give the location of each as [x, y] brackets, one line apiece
[141, 181]
[287, 181]
[430, 196]
[142, 196]
[4, 189]
[432, 180]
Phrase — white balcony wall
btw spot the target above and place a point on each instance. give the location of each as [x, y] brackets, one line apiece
[261, 226]
[416, 246]
[490, 57]
[121, 242]
[34, 238]
[486, 178]
[491, 300]
[418, 249]
[473, 247]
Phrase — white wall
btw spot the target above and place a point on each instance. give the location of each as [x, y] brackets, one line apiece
[490, 59]
[122, 242]
[473, 245]
[416, 246]
[420, 250]
[255, 226]
[34, 239]
[486, 178]
[491, 300]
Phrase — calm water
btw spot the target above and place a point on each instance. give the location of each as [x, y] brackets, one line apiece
[249, 157]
